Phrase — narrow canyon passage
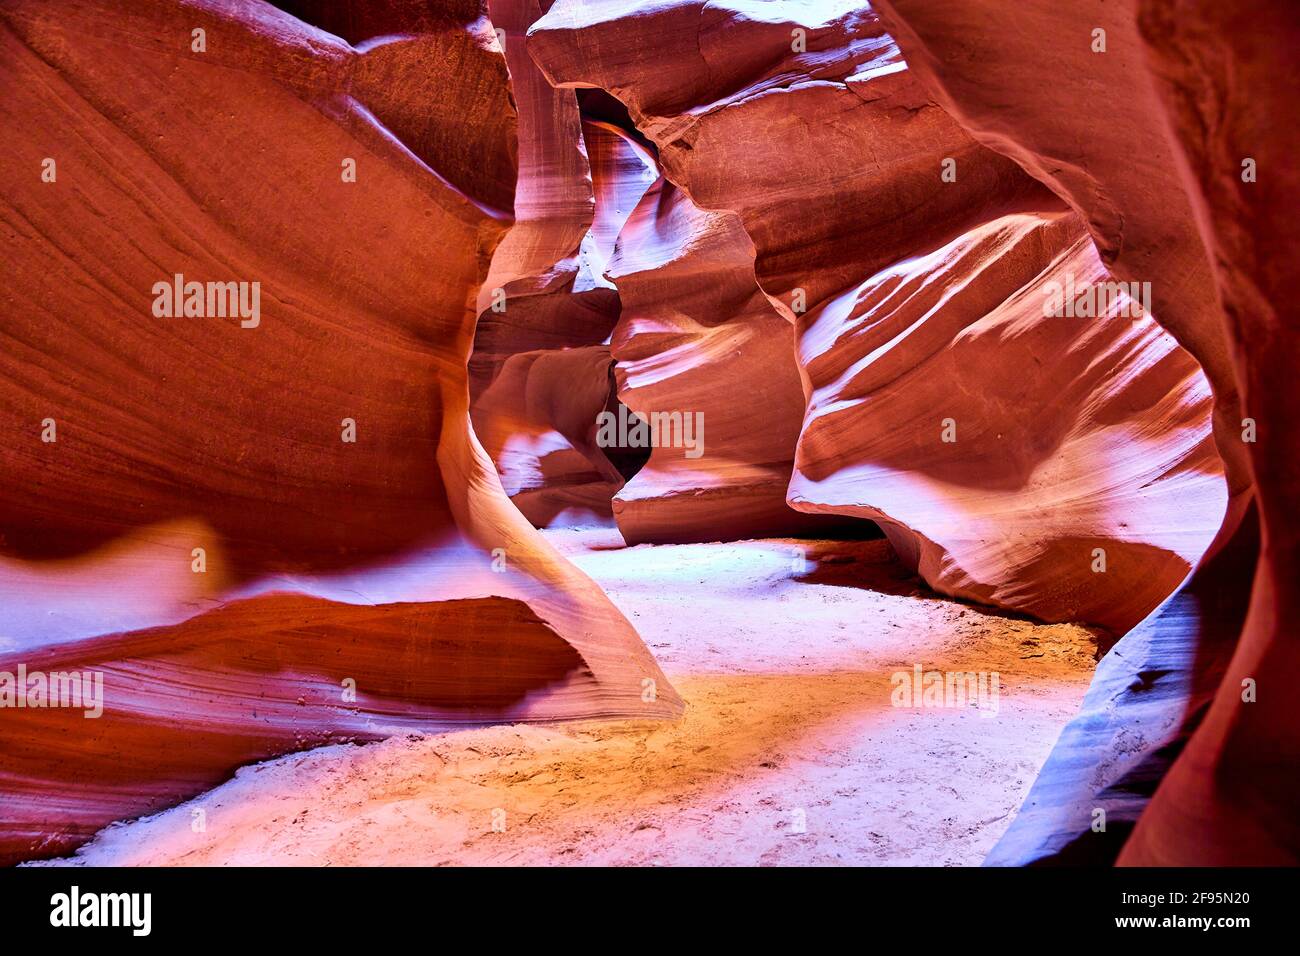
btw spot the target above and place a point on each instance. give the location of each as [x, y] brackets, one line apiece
[784, 652]
[533, 432]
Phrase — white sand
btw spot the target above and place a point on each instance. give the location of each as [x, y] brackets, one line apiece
[786, 673]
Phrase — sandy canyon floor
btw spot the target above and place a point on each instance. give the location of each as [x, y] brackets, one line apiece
[790, 751]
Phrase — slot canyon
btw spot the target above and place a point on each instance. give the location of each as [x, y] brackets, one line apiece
[649, 432]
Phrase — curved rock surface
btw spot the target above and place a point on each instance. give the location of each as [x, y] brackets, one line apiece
[1192, 89]
[698, 78]
[546, 293]
[1043, 464]
[677, 275]
[698, 340]
[144, 449]
[913, 292]
[1119, 175]
[541, 366]
[458, 236]
[1148, 695]
[1159, 188]
[537, 421]
[1224, 76]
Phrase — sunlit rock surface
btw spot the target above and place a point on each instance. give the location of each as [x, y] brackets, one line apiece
[1170, 189]
[1042, 464]
[914, 263]
[822, 243]
[191, 444]
[698, 340]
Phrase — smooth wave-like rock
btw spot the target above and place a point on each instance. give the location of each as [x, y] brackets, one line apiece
[989, 69]
[1225, 76]
[538, 422]
[844, 178]
[184, 705]
[821, 240]
[1168, 187]
[674, 276]
[546, 294]
[1148, 695]
[186, 511]
[875, 219]
[695, 326]
[540, 372]
[1046, 464]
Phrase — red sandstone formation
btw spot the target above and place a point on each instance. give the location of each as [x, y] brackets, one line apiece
[541, 371]
[1165, 203]
[917, 303]
[534, 406]
[1043, 464]
[1146, 698]
[698, 79]
[538, 422]
[480, 230]
[697, 338]
[687, 299]
[395, 560]
[1227, 80]
[1193, 92]
[1117, 170]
